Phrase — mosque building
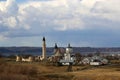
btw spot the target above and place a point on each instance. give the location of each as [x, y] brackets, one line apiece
[58, 55]
[67, 59]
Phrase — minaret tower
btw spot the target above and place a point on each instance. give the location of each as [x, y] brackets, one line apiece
[55, 48]
[69, 49]
[44, 49]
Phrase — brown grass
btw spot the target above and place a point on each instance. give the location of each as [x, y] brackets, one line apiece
[16, 71]
[97, 74]
[38, 71]
[30, 71]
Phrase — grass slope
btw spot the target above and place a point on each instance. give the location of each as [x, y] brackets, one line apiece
[11, 70]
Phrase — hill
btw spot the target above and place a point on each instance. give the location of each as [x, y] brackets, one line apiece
[38, 50]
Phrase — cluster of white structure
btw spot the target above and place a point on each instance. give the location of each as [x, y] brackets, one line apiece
[20, 58]
[95, 60]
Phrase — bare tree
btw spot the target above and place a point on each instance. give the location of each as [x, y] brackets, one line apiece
[78, 57]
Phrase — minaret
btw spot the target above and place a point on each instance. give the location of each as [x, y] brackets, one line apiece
[44, 49]
[55, 48]
[69, 49]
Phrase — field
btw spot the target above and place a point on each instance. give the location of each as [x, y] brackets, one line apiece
[11, 70]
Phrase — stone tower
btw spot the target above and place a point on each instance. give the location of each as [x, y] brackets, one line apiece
[44, 49]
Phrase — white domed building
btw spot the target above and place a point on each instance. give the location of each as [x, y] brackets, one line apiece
[67, 55]
[67, 59]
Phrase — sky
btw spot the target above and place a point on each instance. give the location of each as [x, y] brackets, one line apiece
[82, 23]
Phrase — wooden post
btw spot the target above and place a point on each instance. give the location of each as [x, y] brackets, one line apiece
[69, 69]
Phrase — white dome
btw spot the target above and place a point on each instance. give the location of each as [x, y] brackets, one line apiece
[69, 50]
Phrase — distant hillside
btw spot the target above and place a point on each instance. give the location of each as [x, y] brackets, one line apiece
[91, 49]
[20, 50]
[38, 50]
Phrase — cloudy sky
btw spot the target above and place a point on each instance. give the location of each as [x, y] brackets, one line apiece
[84, 23]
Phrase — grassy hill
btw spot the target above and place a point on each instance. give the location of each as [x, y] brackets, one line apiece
[11, 70]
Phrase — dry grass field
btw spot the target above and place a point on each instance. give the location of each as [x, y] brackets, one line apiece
[11, 70]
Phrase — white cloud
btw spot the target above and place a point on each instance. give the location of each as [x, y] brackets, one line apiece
[39, 17]
[10, 21]
[8, 14]
[57, 14]
[2, 6]
[53, 12]
[108, 9]
[69, 24]
[2, 38]
[10, 7]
